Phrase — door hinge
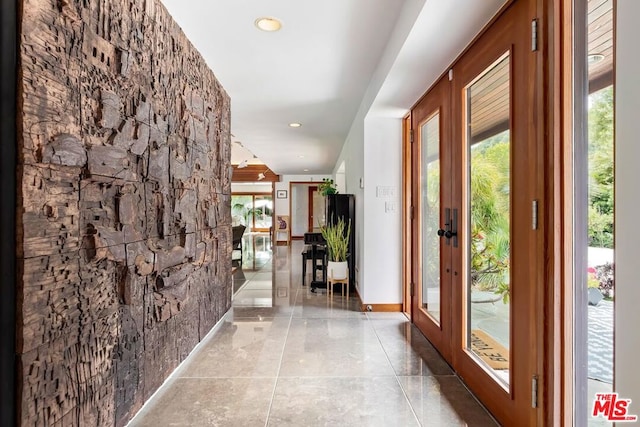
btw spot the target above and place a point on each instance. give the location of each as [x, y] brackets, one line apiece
[411, 136]
[451, 74]
[534, 35]
[413, 289]
[534, 391]
[411, 212]
[534, 215]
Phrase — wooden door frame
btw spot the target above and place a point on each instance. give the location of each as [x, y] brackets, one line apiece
[407, 218]
[436, 100]
[566, 170]
[554, 101]
[310, 209]
[561, 122]
[514, 403]
[552, 112]
[253, 195]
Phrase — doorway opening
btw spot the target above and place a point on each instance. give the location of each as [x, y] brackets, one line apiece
[253, 210]
[593, 197]
[307, 208]
[476, 247]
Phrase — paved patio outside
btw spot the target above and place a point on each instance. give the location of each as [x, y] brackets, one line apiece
[493, 318]
[600, 342]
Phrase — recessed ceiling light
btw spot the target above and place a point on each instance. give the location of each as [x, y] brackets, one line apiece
[306, 170]
[301, 156]
[595, 57]
[295, 125]
[268, 24]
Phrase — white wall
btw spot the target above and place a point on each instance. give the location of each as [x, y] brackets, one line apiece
[627, 235]
[415, 56]
[353, 156]
[340, 179]
[382, 279]
[372, 153]
[299, 209]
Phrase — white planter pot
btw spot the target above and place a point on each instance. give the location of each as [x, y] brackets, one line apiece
[337, 270]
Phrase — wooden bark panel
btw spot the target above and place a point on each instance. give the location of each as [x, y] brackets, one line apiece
[124, 207]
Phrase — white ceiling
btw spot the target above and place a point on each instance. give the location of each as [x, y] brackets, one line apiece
[316, 69]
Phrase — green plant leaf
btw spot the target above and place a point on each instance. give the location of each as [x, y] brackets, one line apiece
[337, 237]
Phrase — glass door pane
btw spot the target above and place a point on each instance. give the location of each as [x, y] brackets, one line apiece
[254, 211]
[431, 254]
[430, 214]
[241, 208]
[598, 210]
[488, 212]
[263, 212]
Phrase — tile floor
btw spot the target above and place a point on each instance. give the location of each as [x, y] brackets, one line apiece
[284, 356]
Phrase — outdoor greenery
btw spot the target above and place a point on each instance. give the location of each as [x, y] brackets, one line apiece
[490, 208]
[605, 277]
[490, 246]
[337, 237]
[431, 223]
[243, 210]
[240, 209]
[600, 151]
[490, 201]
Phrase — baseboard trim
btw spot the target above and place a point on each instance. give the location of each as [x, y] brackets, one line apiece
[390, 308]
[381, 307]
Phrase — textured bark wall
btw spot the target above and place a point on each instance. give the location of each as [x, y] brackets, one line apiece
[123, 216]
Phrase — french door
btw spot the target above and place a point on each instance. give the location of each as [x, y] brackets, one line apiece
[432, 196]
[253, 210]
[476, 192]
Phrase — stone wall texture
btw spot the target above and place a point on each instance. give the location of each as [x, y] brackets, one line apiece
[124, 207]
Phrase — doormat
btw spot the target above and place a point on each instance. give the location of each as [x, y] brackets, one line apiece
[489, 350]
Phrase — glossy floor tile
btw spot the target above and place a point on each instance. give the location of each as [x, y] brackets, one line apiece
[340, 401]
[284, 356]
[248, 348]
[209, 402]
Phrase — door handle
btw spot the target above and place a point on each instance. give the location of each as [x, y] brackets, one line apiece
[446, 231]
[451, 227]
[449, 234]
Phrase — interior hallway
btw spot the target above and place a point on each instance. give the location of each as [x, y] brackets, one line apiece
[283, 356]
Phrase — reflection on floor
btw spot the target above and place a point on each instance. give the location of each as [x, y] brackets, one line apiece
[284, 356]
[252, 284]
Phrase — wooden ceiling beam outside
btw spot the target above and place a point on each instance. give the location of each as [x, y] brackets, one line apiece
[251, 172]
[490, 95]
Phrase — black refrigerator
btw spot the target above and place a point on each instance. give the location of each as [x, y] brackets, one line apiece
[344, 206]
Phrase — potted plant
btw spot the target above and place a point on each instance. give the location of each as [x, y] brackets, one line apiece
[327, 187]
[337, 238]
